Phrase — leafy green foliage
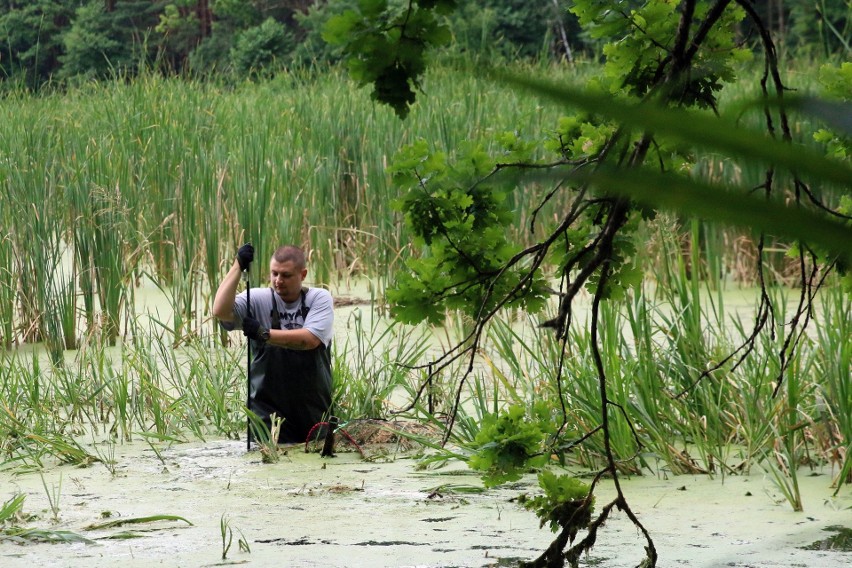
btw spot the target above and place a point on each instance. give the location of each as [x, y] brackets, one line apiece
[506, 29]
[509, 444]
[640, 43]
[31, 40]
[565, 504]
[104, 44]
[212, 55]
[257, 51]
[579, 138]
[313, 48]
[458, 218]
[180, 29]
[837, 82]
[387, 45]
[231, 21]
[238, 13]
[88, 44]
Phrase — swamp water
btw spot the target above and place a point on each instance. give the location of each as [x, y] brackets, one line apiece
[347, 511]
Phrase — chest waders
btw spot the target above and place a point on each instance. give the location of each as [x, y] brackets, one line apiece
[294, 384]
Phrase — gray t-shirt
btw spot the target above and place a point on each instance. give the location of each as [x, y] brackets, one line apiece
[319, 319]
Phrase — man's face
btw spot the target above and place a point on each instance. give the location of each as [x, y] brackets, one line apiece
[286, 279]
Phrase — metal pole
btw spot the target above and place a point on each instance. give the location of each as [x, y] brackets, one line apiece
[248, 363]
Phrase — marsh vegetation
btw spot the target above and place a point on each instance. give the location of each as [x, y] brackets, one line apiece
[115, 193]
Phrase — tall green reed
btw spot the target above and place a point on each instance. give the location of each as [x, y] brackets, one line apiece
[54, 493]
[46, 290]
[196, 389]
[373, 365]
[754, 411]
[833, 369]
[582, 385]
[156, 400]
[787, 450]
[8, 286]
[116, 400]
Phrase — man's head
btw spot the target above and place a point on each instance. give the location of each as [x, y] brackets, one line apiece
[287, 271]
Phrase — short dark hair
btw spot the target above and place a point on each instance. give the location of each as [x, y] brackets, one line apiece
[290, 253]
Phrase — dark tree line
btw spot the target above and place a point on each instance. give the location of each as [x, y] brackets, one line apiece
[57, 40]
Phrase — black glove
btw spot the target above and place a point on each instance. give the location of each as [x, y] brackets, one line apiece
[245, 255]
[253, 330]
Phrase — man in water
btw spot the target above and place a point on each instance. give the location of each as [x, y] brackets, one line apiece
[290, 329]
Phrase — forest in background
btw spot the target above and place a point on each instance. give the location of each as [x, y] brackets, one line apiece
[50, 42]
